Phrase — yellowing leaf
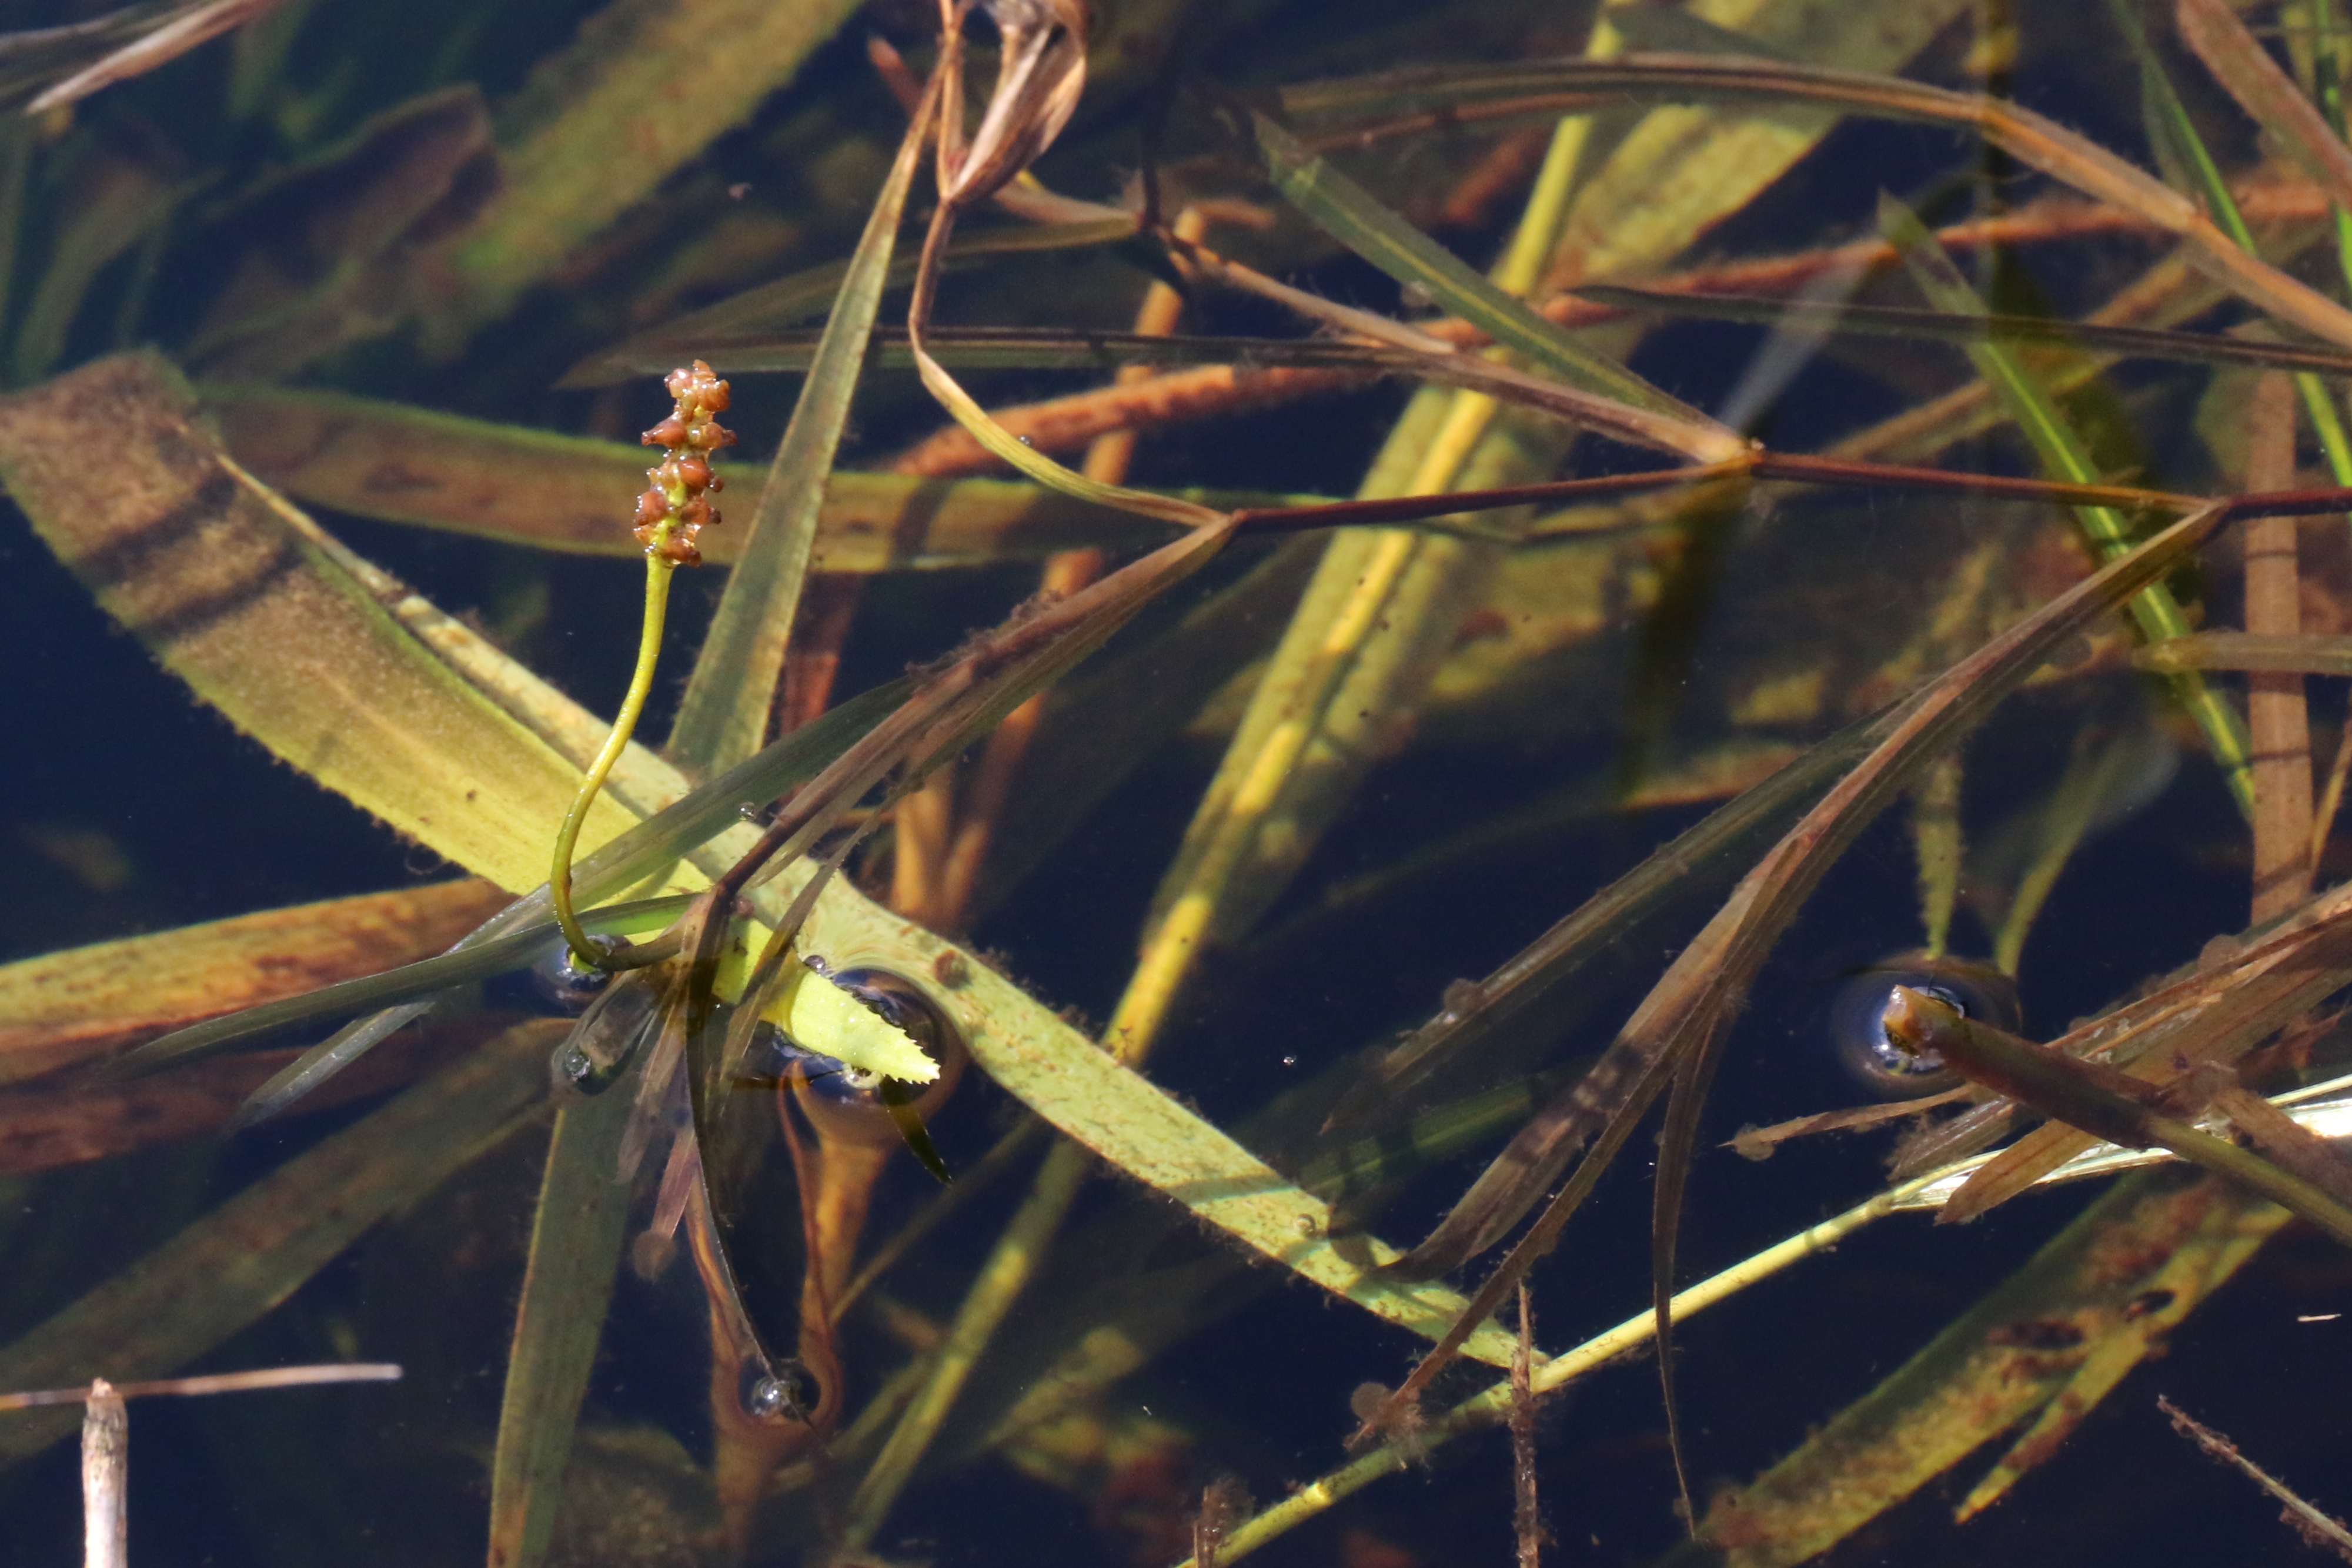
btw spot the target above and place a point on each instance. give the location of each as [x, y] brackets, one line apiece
[822, 1016]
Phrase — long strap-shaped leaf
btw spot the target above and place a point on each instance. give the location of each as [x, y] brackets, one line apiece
[2064, 456]
[780, 303]
[1683, 1019]
[1394, 103]
[1965, 327]
[1349, 215]
[724, 715]
[575, 1250]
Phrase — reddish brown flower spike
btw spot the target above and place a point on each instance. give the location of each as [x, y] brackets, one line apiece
[674, 510]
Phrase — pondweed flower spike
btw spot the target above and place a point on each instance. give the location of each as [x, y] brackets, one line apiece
[674, 509]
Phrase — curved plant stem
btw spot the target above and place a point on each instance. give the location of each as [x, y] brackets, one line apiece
[658, 568]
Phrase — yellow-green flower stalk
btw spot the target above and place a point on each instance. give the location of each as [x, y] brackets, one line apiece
[673, 510]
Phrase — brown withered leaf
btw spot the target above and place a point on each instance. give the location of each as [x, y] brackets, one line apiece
[65, 1120]
[1039, 77]
[64, 1007]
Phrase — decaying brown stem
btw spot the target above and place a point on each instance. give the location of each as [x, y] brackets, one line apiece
[2276, 720]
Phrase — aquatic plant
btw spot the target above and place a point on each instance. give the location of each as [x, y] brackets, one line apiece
[1849, 585]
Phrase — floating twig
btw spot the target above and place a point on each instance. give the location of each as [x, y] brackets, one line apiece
[215, 1382]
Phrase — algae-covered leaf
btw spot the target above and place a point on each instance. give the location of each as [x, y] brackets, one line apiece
[519, 486]
[265, 628]
[645, 87]
[2111, 1287]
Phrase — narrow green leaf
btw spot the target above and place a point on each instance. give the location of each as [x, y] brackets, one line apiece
[1349, 215]
[2173, 127]
[645, 87]
[2064, 456]
[724, 715]
[575, 1249]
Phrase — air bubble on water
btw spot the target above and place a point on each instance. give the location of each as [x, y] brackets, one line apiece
[765, 1399]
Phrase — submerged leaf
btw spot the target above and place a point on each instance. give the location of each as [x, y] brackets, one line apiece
[647, 86]
[520, 486]
[85, 1002]
[575, 1250]
[223, 1272]
[269, 631]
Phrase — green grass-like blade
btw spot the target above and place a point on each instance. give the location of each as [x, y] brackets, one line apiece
[2173, 126]
[1349, 214]
[2063, 456]
[724, 715]
[575, 1247]
[513, 936]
